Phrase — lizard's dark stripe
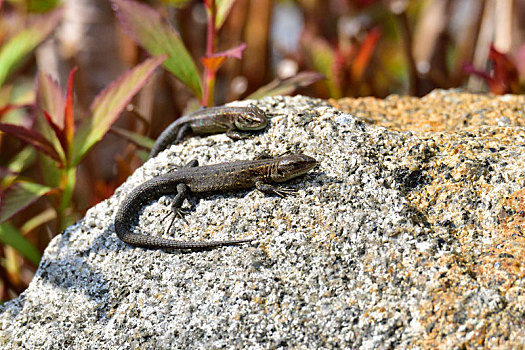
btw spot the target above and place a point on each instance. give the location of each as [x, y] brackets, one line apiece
[211, 178]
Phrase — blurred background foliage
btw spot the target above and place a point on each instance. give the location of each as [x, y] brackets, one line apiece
[215, 52]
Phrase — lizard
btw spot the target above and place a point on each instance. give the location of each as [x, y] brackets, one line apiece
[220, 177]
[236, 122]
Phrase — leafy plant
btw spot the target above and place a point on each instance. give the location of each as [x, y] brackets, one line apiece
[62, 146]
[57, 139]
[157, 36]
[16, 50]
[344, 67]
[503, 78]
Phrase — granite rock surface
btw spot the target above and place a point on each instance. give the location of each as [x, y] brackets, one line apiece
[410, 233]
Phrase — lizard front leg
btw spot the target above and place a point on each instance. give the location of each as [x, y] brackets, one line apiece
[182, 194]
[270, 189]
[236, 134]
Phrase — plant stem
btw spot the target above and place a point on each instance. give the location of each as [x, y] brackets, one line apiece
[209, 75]
[67, 185]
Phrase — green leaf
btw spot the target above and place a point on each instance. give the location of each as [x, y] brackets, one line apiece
[50, 98]
[137, 139]
[41, 5]
[108, 105]
[323, 59]
[13, 53]
[286, 86]
[49, 120]
[50, 171]
[176, 3]
[19, 162]
[9, 235]
[155, 34]
[38, 220]
[58, 135]
[20, 93]
[22, 160]
[20, 195]
[223, 9]
[68, 179]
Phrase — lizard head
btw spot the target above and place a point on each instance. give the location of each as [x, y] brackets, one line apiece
[290, 166]
[251, 118]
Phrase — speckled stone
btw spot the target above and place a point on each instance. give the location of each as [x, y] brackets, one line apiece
[408, 234]
[465, 177]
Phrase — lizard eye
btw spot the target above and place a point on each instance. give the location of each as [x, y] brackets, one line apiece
[250, 120]
[245, 118]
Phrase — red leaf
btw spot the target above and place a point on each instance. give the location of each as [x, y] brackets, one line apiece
[69, 119]
[505, 76]
[49, 97]
[365, 52]
[58, 131]
[215, 61]
[6, 109]
[470, 69]
[101, 190]
[235, 52]
[342, 57]
[33, 138]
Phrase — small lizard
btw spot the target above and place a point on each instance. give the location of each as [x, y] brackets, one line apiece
[201, 179]
[236, 122]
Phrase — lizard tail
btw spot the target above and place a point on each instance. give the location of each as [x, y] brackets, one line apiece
[145, 241]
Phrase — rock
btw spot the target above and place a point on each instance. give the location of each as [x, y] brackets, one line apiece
[409, 233]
